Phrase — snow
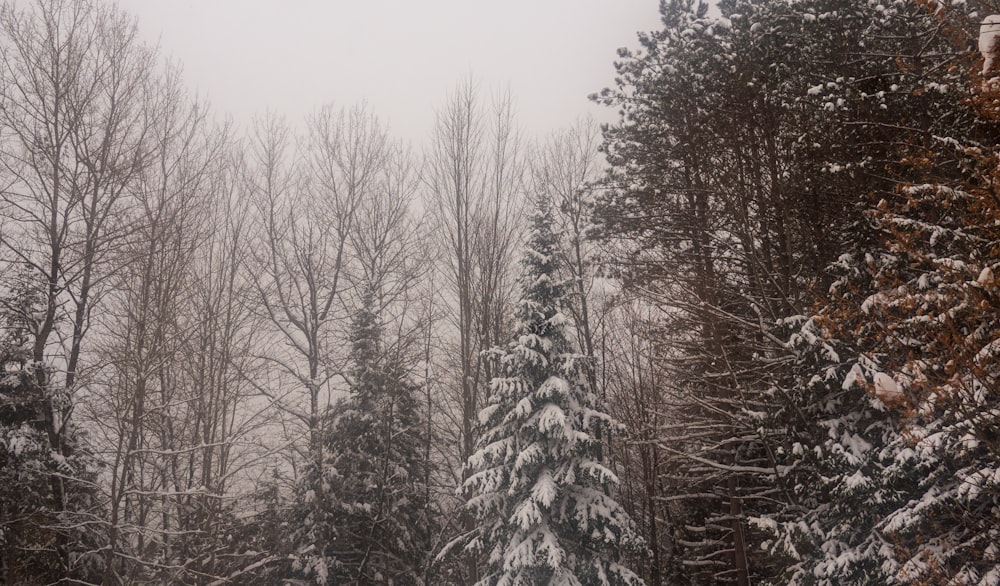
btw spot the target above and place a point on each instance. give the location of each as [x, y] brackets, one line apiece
[989, 33]
[551, 417]
[20, 441]
[887, 390]
[533, 453]
[941, 88]
[545, 489]
[871, 301]
[522, 409]
[988, 352]
[525, 516]
[554, 386]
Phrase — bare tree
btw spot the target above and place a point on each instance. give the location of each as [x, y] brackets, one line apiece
[74, 85]
[474, 174]
[567, 167]
[226, 423]
[148, 323]
[307, 213]
[633, 376]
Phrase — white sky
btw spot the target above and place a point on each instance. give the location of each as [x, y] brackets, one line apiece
[402, 56]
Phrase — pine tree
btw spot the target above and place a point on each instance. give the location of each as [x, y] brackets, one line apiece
[30, 521]
[849, 457]
[24, 459]
[895, 465]
[841, 461]
[932, 334]
[538, 487]
[712, 199]
[749, 146]
[366, 510]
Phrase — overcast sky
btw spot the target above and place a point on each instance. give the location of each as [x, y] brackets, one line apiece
[403, 56]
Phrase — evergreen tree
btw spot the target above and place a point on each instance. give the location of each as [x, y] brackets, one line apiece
[538, 486]
[751, 144]
[850, 459]
[714, 202]
[31, 523]
[24, 459]
[840, 459]
[366, 510]
[939, 351]
[926, 327]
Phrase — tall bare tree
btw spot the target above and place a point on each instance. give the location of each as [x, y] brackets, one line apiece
[567, 167]
[474, 175]
[148, 322]
[227, 447]
[74, 85]
[307, 205]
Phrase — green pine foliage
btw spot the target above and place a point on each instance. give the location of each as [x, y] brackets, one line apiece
[36, 532]
[539, 488]
[365, 513]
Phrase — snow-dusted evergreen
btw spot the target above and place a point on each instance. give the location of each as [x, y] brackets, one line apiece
[898, 474]
[364, 516]
[25, 457]
[539, 488]
[37, 532]
[751, 144]
[838, 455]
[934, 305]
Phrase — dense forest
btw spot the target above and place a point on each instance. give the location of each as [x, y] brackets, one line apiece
[747, 334]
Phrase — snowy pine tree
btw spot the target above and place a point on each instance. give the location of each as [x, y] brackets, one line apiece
[749, 146]
[32, 522]
[365, 511]
[851, 460]
[934, 301]
[26, 516]
[841, 471]
[538, 487]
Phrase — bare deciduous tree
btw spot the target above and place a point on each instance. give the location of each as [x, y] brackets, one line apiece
[74, 85]
[307, 213]
[148, 322]
[474, 176]
[568, 167]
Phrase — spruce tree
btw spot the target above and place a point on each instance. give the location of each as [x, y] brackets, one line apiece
[32, 522]
[365, 511]
[538, 486]
[26, 517]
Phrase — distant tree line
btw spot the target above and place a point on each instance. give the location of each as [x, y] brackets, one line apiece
[745, 335]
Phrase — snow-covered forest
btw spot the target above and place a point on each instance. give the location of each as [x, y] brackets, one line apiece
[747, 334]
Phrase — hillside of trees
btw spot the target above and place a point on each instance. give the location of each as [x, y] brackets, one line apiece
[747, 334]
